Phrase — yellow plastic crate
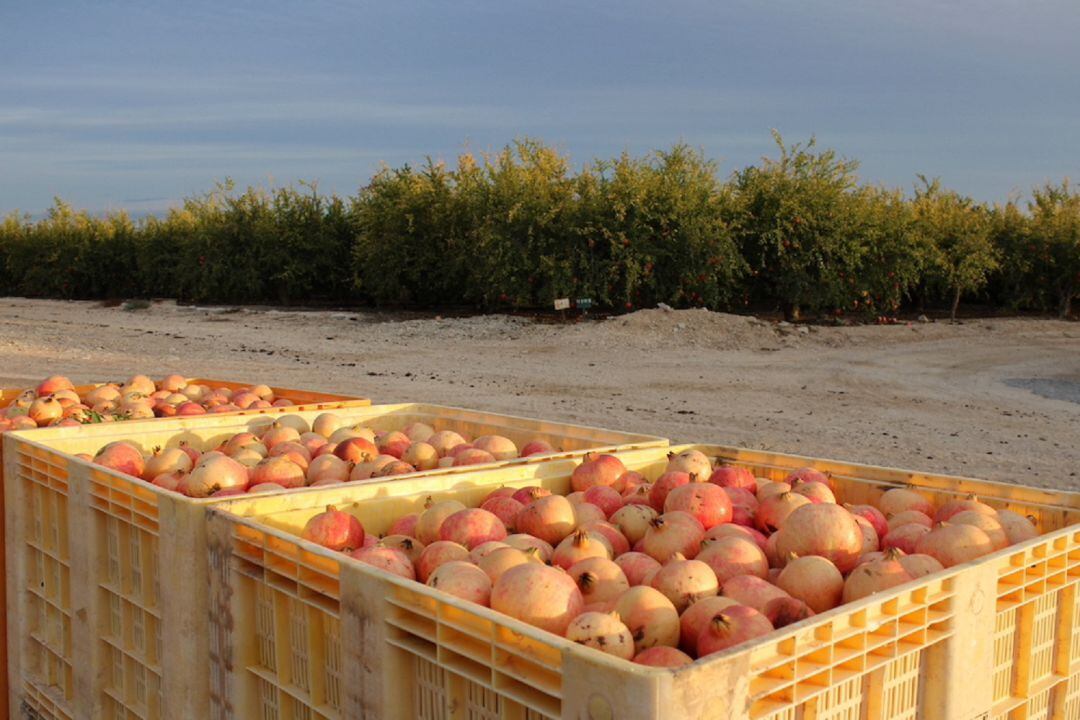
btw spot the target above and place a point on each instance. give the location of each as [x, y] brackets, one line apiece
[300, 631]
[302, 400]
[108, 598]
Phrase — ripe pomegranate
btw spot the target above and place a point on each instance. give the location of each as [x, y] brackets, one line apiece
[807, 474]
[389, 560]
[550, 518]
[527, 542]
[768, 488]
[122, 457]
[473, 456]
[696, 616]
[586, 513]
[170, 460]
[604, 497]
[870, 540]
[775, 509]
[432, 518]
[639, 495]
[730, 627]
[501, 559]
[816, 492]
[814, 580]
[329, 466]
[598, 470]
[637, 566]
[1018, 528]
[214, 473]
[952, 507]
[897, 500]
[530, 493]
[872, 515]
[904, 537]
[53, 383]
[482, 550]
[909, 517]
[744, 506]
[734, 476]
[356, 450]
[418, 432]
[705, 501]
[616, 541]
[667, 535]
[327, 424]
[463, 580]
[784, 611]
[918, 565]
[684, 582]
[501, 448]
[436, 554]
[578, 546]
[827, 530]
[444, 441]
[989, 524]
[663, 656]
[731, 530]
[875, 576]
[731, 556]
[665, 484]
[505, 508]
[691, 462]
[404, 525]
[602, 631]
[751, 591]
[278, 470]
[45, 410]
[471, 527]
[954, 544]
[538, 595]
[408, 545]
[264, 488]
[651, 617]
[633, 520]
[536, 447]
[421, 456]
[169, 481]
[334, 529]
[599, 579]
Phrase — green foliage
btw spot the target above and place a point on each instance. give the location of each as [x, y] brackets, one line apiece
[1055, 240]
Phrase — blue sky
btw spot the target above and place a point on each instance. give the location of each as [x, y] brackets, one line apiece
[138, 104]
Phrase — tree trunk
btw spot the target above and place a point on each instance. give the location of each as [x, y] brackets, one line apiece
[955, 304]
[1065, 306]
[791, 311]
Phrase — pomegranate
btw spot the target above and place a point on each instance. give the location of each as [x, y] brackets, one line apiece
[744, 505]
[734, 476]
[473, 456]
[169, 481]
[615, 540]
[630, 480]
[667, 535]
[122, 457]
[389, 560]
[651, 617]
[170, 460]
[264, 488]
[730, 530]
[952, 507]
[463, 580]
[279, 433]
[482, 550]
[775, 509]
[751, 591]
[367, 470]
[432, 518]
[870, 540]
[954, 544]
[501, 448]
[872, 515]
[684, 582]
[539, 595]
[827, 530]
[909, 517]
[691, 462]
[444, 441]
[530, 493]
[637, 566]
[412, 547]
[334, 529]
[278, 470]
[917, 565]
[605, 498]
[816, 492]
[662, 656]
[814, 580]
[471, 527]
[730, 627]
[214, 473]
[731, 556]
[393, 443]
[876, 576]
[633, 520]
[404, 525]
[1018, 528]
[526, 542]
[550, 518]
[904, 537]
[418, 432]
[989, 524]
[599, 579]
[897, 500]
[602, 631]
[436, 554]
[665, 484]
[784, 611]
[578, 546]
[329, 466]
[536, 447]
[639, 495]
[327, 424]
[767, 488]
[503, 507]
[45, 410]
[807, 474]
[597, 470]
[586, 513]
[421, 456]
[696, 616]
[356, 450]
[53, 383]
[705, 501]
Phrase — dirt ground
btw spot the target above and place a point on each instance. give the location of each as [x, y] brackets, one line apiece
[998, 399]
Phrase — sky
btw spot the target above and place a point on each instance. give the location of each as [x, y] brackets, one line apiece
[136, 105]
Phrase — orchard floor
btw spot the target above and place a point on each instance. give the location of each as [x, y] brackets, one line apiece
[998, 399]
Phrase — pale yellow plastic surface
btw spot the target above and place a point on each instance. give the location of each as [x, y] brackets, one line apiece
[108, 584]
[301, 399]
[301, 631]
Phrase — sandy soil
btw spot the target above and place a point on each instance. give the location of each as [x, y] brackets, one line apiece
[998, 399]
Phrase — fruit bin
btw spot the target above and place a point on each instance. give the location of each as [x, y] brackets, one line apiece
[108, 598]
[302, 631]
[301, 399]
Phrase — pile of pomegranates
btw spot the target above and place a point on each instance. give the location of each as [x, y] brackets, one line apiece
[288, 453]
[55, 402]
[696, 561]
